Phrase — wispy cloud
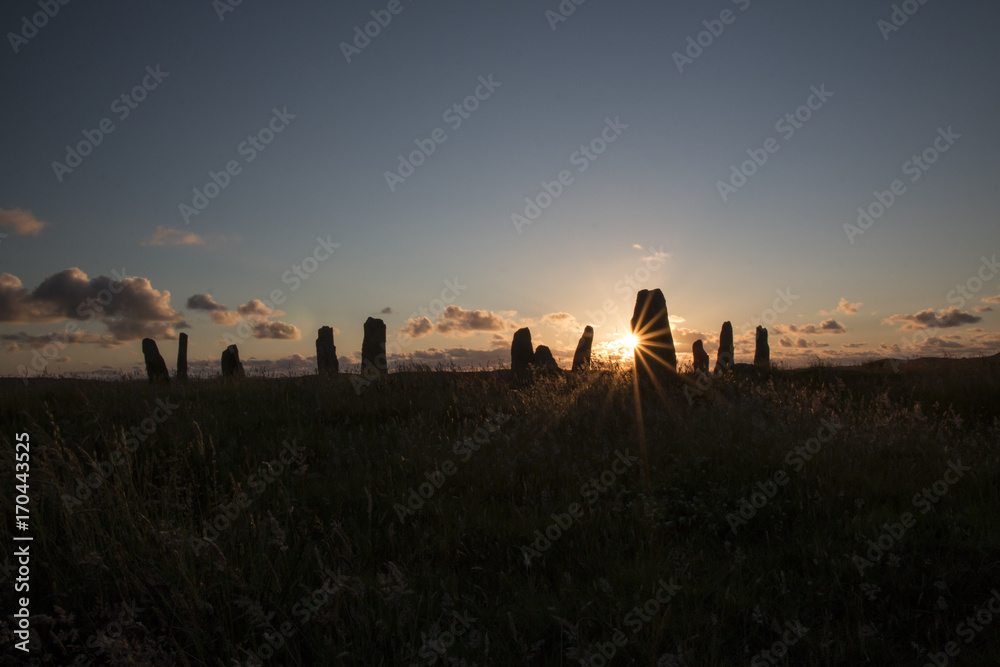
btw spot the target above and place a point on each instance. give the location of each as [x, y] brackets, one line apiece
[166, 236]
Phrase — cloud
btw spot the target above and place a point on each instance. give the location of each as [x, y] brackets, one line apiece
[276, 331]
[417, 327]
[991, 299]
[983, 309]
[655, 254]
[462, 357]
[851, 346]
[22, 222]
[128, 306]
[167, 236]
[386, 311]
[459, 322]
[204, 302]
[563, 321]
[21, 340]
[254, 310]
[845, 307]
[685, 338]
[929, 319]
[830, 326]
[800, 343]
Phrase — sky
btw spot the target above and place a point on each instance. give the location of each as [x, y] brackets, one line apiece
[246, 173]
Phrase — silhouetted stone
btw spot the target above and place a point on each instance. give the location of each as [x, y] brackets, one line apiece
[544, 359]
[232, 367]
[762, 353]
[326, 353]
[655, 356]
[700, 357]
[581, 358]
[373, 361]
[726, 356]
[156, 368]
[522, 354]
[182, 357]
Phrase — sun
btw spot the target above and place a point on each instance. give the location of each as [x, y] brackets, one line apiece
[630, 342]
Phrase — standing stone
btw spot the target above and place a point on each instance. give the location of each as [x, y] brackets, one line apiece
[726, 356]
[522, 354]
[544, 359]
[156, 368]
[655, 356]
[182, 357]
[581, 358]
[762, 353]
[326, 353]
[373, 361]
[232, 368]
[700, 357]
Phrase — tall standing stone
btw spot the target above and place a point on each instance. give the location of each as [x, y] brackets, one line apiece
[581, 358]
[762, 353]
[725, 358]
[182, 357]
[156, 368]
[373, 361]
[232, 367]
[522, 354]
[655, 356]
[326, 352]
[700, 357]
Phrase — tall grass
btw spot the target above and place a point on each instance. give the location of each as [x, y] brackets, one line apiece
[324, 566]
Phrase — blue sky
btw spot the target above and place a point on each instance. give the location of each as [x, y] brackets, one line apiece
[651, 198]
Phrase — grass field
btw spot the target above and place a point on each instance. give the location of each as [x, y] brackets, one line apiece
[814, 517]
